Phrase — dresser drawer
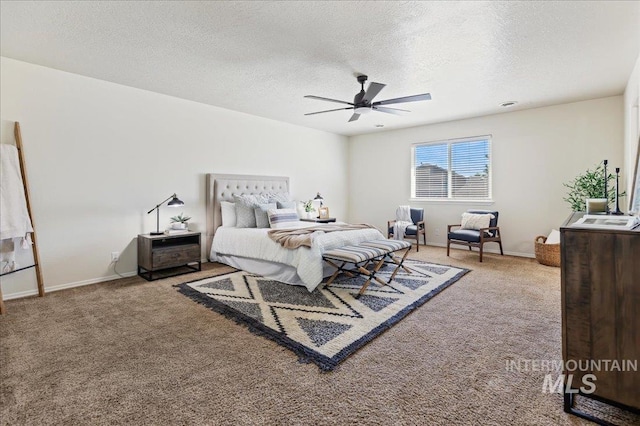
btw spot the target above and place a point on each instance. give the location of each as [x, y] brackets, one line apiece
[166, 257]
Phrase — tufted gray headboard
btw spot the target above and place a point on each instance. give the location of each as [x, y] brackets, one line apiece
[222, 187]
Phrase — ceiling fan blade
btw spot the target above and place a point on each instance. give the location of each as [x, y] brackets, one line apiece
[372, 91]
[395, 111]
[329, 110]
[354, 117]
[414, 98]
[320, 98]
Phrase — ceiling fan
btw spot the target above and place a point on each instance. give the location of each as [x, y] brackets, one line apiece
[362, 101]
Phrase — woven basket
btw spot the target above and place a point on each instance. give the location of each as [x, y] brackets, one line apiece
[547, 254]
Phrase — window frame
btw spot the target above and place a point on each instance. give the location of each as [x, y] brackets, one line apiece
[449, 199]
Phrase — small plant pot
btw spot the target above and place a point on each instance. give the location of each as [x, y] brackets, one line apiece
[178, 225]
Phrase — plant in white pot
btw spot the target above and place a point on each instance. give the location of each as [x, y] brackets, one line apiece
[309, 209]
[180, 221]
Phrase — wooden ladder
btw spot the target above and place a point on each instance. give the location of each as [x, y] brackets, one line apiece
[34, 246]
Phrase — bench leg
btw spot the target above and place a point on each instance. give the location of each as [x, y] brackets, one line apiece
[371, 275]
[400, 264]
[336, 273]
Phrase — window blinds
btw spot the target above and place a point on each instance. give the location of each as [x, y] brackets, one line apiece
[459, 169]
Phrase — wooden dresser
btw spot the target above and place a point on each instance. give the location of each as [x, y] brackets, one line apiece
[601, 310]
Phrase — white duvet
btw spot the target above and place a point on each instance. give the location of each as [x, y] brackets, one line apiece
[255, 243]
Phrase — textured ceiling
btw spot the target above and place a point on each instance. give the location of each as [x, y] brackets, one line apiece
[261, 58]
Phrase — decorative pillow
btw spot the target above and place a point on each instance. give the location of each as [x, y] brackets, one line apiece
[262, 219]
[274, 197]
[282, 218]
[245, 203]
[475, 221]
[554, 237]
[228, 213]
[286, 205]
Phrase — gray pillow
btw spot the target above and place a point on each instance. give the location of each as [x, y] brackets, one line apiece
[262, 219]
[286, 204]
[245, 203]
[278, 196]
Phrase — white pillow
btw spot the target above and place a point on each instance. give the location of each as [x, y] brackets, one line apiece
[476, 221]
[282, 218]
[228, 213]
[554, 237]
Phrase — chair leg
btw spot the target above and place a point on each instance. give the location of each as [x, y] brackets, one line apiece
[417, 242]
[481, 247]
[501, 252]
[448, 245]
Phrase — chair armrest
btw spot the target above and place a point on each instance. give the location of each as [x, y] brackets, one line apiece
[390, 222]
[451, 226]
[489, 229]
[420, 224]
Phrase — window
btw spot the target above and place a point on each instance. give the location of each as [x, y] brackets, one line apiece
[452, 170]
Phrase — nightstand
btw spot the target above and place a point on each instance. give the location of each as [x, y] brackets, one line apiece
[180, 252]
[318, 220]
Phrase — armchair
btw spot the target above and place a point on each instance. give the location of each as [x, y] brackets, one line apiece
[475, 237]
[412, 231]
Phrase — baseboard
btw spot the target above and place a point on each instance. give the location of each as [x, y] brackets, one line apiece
[59, 287]
[508, 253]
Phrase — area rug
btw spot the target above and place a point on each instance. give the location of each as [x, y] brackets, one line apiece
[329, 324]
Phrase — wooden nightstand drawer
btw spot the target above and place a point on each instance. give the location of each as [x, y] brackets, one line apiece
[166, 257]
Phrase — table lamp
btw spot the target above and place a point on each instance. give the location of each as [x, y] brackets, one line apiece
[175, 202]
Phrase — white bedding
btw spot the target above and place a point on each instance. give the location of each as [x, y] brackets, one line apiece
[255, 243]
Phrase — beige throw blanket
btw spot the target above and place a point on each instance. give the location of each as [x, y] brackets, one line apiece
[294, 238]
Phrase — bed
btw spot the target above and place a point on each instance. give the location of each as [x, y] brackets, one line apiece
[251, 249]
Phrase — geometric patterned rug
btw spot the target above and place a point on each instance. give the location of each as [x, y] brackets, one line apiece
[329, 324]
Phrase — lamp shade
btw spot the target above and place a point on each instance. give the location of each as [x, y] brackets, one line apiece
[318, 197]
[175, 201]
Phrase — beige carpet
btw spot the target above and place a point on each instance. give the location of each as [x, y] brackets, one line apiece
[136, 352]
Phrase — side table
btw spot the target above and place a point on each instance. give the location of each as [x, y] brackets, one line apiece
[161, 252]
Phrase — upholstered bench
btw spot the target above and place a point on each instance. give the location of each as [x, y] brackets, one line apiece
[391, 246]
[377, 251]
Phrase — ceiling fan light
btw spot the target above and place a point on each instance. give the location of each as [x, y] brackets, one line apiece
[362, 110]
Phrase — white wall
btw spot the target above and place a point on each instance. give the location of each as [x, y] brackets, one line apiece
[100, 155]
[534, 152]
[631, 126]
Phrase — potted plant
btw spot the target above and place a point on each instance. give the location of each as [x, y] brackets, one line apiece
[590, 184]
[180, 221]
[308, 208]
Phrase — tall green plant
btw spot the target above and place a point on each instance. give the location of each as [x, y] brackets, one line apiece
[590, 184]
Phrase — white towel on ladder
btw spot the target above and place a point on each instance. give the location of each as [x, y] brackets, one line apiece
[403, 219]
[14, 215]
